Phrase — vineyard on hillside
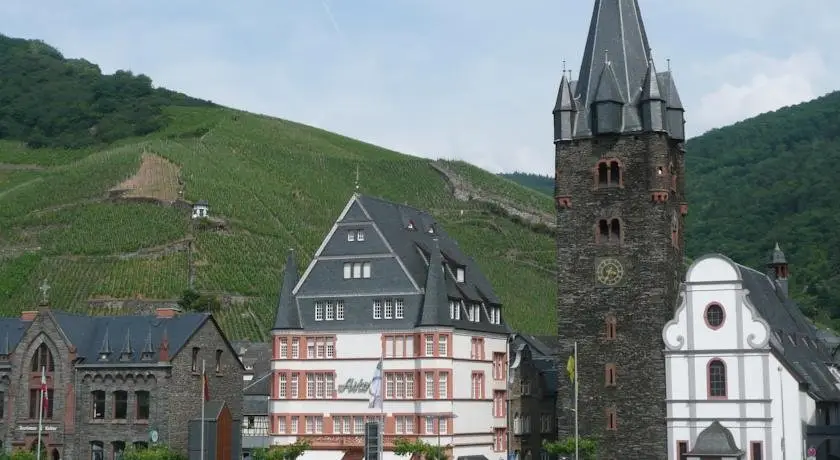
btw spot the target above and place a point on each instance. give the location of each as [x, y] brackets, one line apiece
[271, 184]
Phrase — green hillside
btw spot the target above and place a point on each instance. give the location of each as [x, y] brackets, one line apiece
[765, 180]
[100, 208]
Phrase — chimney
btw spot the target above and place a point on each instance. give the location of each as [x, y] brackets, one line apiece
[28, 315]
[167, 312]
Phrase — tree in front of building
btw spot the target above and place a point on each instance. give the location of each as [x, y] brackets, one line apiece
[18, 454]
[285, 452]
[154, 452]
[566, 448]
[404, 447]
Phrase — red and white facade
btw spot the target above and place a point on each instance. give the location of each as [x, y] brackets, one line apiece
[442, 386]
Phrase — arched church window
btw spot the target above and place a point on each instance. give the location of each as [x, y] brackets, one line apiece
[717, 379]
[608, 173]
[42, 358]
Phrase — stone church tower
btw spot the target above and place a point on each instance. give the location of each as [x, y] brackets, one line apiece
[619, 133]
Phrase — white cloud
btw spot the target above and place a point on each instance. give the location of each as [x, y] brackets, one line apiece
[752, 84]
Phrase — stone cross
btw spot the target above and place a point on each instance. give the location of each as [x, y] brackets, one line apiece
[45, 289]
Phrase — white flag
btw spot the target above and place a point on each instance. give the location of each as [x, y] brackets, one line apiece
[376, 388]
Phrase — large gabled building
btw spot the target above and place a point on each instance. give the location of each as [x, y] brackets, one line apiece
[113, 381]
[389, 283]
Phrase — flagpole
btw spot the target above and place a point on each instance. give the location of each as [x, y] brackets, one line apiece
[382, 405]
[203, 396]
[577, 438]
[41, 413]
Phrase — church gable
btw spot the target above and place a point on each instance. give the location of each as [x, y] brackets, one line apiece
[354, 213]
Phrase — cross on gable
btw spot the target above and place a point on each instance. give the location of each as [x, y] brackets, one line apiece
[45, 289]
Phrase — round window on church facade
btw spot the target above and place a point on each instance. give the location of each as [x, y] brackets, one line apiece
[714, 316]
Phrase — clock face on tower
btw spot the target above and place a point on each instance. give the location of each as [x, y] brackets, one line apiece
[609, 272]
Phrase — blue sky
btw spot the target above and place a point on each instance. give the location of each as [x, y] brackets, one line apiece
[467, 79]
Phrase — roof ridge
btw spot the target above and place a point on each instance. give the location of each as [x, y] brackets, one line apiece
[405, 206]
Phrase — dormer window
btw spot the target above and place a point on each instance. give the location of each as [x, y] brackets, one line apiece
[411, 225]
[360, 235]
[147, 355]
[431, 230]
[351, 235]
[356, 270]
[355, 235]
[104, 356]
[459, 274]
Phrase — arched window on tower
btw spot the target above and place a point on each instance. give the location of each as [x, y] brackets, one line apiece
[717, 379]
[42, 358]
[608, 174]
[609, 231]
[610, 323]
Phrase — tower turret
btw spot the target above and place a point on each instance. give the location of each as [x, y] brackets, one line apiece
[565, 111]
[778, 268]
[653, 102]
[608, 103]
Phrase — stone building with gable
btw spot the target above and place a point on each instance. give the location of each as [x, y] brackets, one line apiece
[113, 381]
[532, 403]
[619, 188]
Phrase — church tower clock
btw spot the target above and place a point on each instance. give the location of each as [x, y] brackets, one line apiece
[619, 134]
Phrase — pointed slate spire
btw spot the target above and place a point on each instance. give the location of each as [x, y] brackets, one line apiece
[616, 29]
[778, 268]
[564, 111]
[435, 301]
[105, 349]
[778, 256]
[127, 351]
[148, 348]
[675, 112]
[608, 103]
[653, 101]
[288, 315]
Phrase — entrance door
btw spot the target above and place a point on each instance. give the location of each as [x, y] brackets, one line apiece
[56, 455]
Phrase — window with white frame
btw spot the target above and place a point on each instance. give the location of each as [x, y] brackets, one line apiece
[284, 348]
[454, 309]
[499, 439]
[314, 424]
[329, 312]
[319, 311]
[499, 366]
[430, 345]
[320, 385]
[351, 235]
[281, 425]
[281, 386]
[348, 270]
[377, 309]
[430, 385]
[459, 274]
[293, 386]
[399, 385]
[366, 270]
[295, 428]
[443, 345]
[360, 235]
[499, 403]
[430, 424]
[442, 425]
[405, 424]
[357, 270]
[477, 386]
[310, 348]
[399, 308]
[389, 309]
[358, 425]
[339, 310]
[443, 385]
[295, 347]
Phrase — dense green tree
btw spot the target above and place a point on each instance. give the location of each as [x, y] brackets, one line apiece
[49, 101]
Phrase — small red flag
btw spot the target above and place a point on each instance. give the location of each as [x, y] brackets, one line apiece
[206, 388]
[45, 400]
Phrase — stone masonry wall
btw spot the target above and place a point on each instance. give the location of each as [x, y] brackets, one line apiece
[185, 396]
[642, 303]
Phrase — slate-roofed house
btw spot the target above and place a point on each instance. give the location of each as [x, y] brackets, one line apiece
[255, 413]
[533, 395]
[113, 381]
[743, 359]
[369, 293]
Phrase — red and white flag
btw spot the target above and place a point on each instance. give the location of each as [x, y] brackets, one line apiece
[45, 400]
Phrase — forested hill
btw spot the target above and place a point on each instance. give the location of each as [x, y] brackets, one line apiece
[768, 179]
[49, 101]
[98, 173]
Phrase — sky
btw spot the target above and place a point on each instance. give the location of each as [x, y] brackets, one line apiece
[473, 80]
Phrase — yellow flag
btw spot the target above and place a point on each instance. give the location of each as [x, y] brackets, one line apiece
[570, 368]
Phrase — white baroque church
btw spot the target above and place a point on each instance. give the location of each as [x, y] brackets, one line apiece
[748, 376]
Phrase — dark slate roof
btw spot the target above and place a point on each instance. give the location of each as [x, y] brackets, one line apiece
[777, 256]
[91, 335]
[616, 62]
[11, 331]
[793, 339]
[393, 219]
[256, 355]
[259, 385]
[202, 203]
[288, 315]
[716, 441]
[541, 346]
[418, 242]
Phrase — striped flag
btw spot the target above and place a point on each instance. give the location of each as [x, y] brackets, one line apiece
[45, 400]
[376, 388]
